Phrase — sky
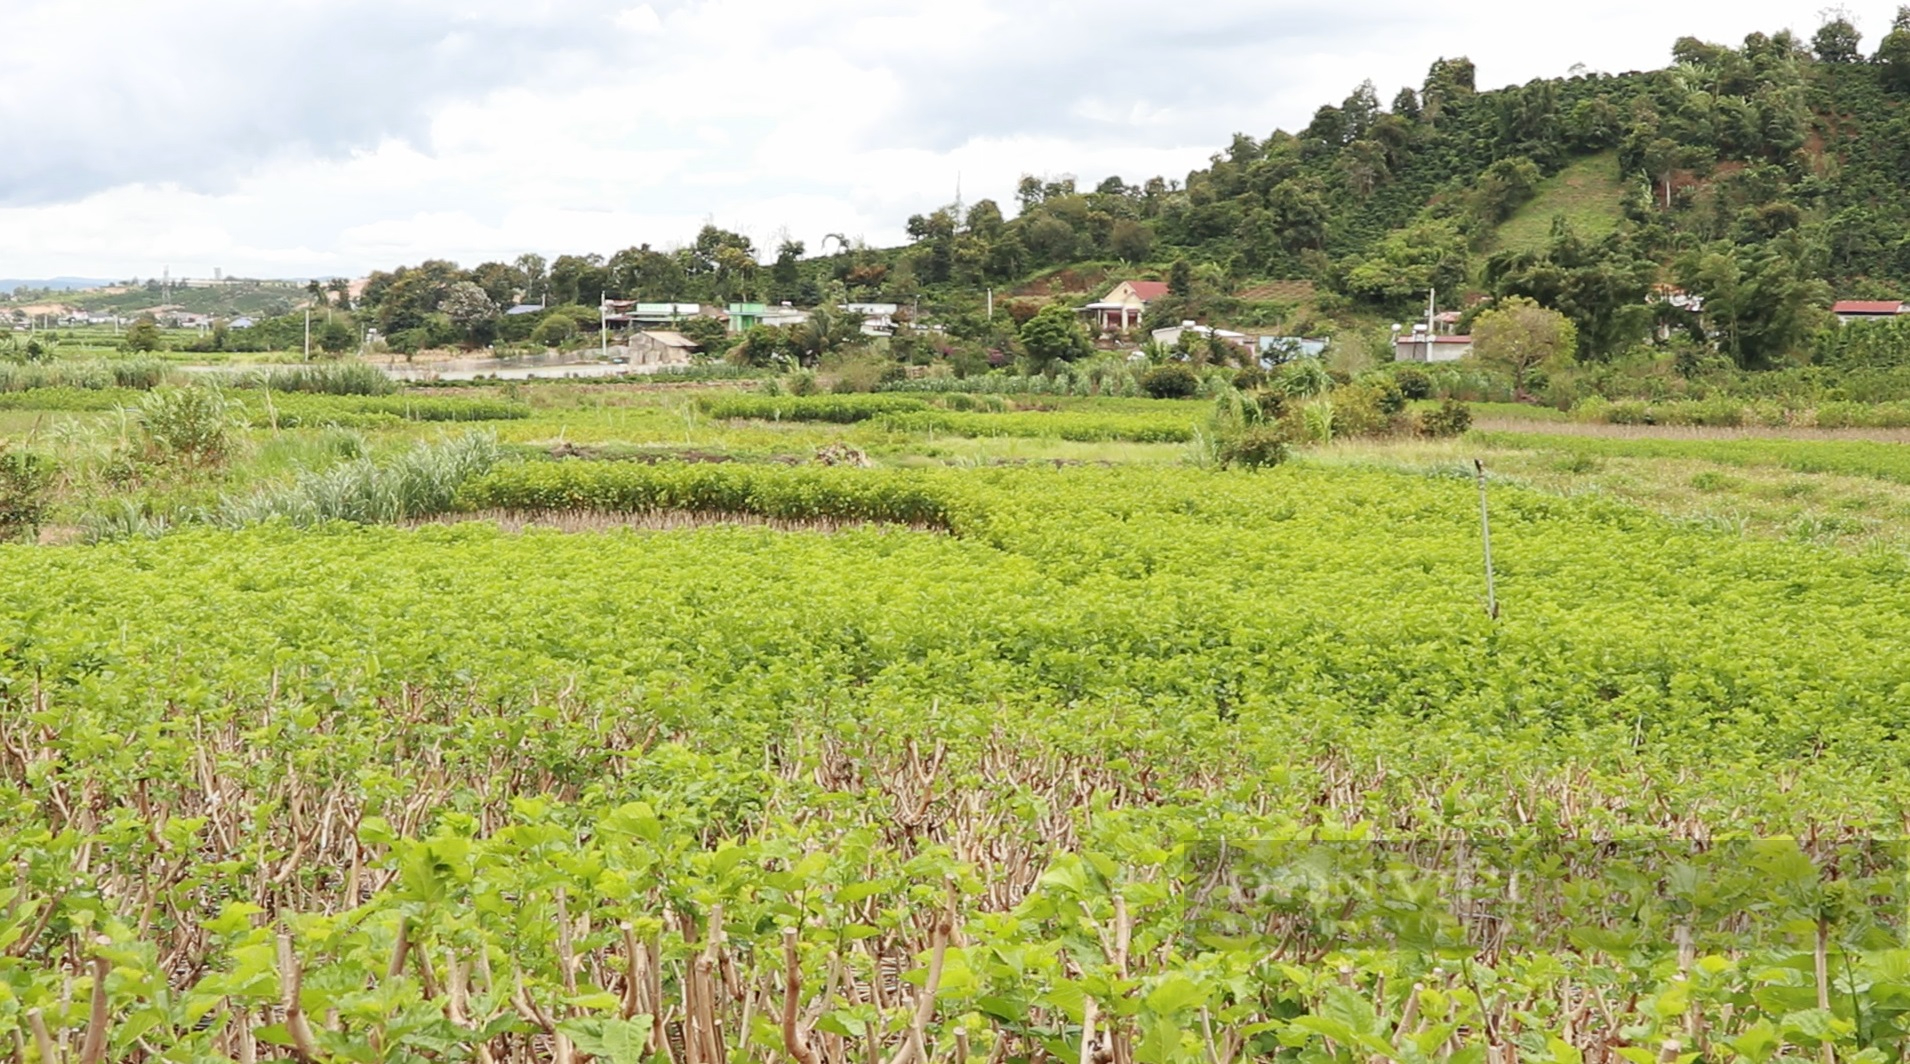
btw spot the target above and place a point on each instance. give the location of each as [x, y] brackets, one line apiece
[321, 138]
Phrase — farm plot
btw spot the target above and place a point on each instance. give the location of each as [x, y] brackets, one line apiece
[1016, 789]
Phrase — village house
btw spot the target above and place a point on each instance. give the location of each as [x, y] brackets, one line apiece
[624, 313]
[1124, 307]
[1420, 346]
[878, 319]
[1171, 336]
[1849, 310]
[745, 316]
[661, 348]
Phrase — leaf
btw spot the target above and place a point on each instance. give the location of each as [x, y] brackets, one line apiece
[1175, 993]
[1160, 1044]
[1813, 1026]
[612, 1039]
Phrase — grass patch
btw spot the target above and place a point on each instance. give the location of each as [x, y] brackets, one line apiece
[1588, 193]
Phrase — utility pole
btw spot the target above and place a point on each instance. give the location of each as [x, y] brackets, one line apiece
[991, 304]
[308, 333]
[603, 323]
[1485, 535]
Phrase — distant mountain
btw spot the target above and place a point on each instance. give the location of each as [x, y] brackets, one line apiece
[58, 284]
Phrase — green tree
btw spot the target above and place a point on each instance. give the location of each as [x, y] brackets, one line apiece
[1055, 334]
[143, 336]
[1519, 336]
[1837, 41]
[1601, 286]
[1427, 254]
[828, 330]
[556, 330]
[1760, 302]
[499, 281]
[706, 333]
[472, 311]
[1180, 279]
[1130, 241]
[534, 270]
[335, 337]
[1893, 55]
[786, 273]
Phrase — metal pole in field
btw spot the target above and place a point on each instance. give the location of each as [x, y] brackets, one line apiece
[1485, 535]
[308, 334]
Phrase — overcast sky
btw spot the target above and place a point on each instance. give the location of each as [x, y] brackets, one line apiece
[293, 138]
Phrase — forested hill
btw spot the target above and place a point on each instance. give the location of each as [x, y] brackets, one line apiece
[1767, 178]
[1764, 177]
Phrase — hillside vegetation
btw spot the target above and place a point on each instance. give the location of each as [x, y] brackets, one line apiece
[1587, 194]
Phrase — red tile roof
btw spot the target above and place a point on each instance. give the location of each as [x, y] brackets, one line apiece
[1149, 291]
[1867, 306]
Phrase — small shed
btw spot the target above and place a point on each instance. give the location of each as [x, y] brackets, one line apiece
[1849, 310]
[661, 348]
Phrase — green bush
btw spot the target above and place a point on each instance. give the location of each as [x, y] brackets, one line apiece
[1253, 447]
[555, 330]
[191, 424]
[1449, 418]
[1361, 410]
[26, 484]
[1413, 383]
[1176, 380]
[862, 375]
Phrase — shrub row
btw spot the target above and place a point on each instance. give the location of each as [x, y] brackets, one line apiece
[302, 409]
[1720, 412]
[1081, 427]
[67, 397]
[838, 409]
[807, 493]
[136, 373]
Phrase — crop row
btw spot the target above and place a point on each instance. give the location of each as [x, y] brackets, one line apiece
[776, 492]
[1079, 426]
[1853, 458]
[290, 409]
[839, 409]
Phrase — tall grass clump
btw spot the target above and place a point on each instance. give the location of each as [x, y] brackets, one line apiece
[331, 378]
[143, 374]
[420, 482]
[192, 425]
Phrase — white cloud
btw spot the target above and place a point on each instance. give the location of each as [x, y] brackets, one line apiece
[307, 137]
